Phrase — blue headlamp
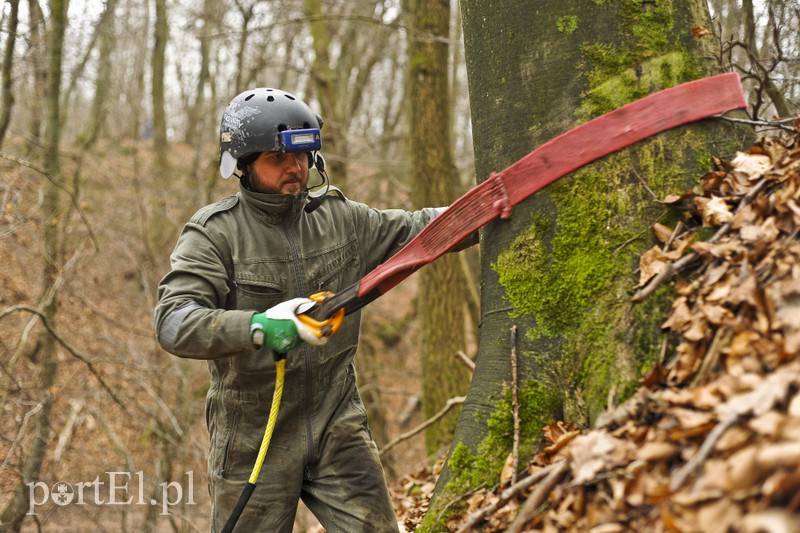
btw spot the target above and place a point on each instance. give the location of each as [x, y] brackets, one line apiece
[307, 140]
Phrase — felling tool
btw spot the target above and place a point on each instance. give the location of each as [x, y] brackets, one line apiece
[579, 146]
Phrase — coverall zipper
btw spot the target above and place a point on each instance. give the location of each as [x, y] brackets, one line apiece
[308, 372]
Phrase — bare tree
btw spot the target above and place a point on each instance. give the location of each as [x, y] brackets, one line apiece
[434, 180]
[7, 70]
[14, 512]
[100, 102]
[160, 36]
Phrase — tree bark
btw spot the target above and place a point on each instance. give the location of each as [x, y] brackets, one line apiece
[14, 512]
[562, 268]
[434, 178]
[158, 67]
[7, 74]
[39, 83]
[99, 111]
[326, 88]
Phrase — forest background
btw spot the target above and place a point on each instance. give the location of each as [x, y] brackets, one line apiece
[102, 164]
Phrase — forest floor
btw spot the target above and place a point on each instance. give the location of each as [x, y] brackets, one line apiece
[710, 441]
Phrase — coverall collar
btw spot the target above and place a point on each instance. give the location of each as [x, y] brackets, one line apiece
[273, 208]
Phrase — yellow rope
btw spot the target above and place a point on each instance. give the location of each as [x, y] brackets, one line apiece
[273, 417]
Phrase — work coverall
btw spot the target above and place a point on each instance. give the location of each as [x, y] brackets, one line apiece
[244, 254]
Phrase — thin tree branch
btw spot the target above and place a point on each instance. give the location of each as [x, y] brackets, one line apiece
[515, 398]
[28, 415]
[538, 497]
[509, 493]
[452, 402]
[701, 455]
[465, 360]
[49, 177]
[778, 124]
[84, 359]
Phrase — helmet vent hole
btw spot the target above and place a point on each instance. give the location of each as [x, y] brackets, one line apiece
[289, 96]
[248, 97]
[270, 98]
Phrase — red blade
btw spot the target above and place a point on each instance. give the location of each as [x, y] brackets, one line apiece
[494, 197]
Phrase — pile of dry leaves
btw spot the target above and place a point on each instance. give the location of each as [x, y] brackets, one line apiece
[711, 440]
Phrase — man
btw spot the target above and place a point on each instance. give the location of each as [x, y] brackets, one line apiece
[241, 270]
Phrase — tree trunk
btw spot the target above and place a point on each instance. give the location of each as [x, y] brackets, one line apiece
[7, 74]
[38, 54]
[434, 177]
[14, 512]
[247, 14]
[195, 127]
[326, 87]
[99, 111]
[159, 113]
[562, 269]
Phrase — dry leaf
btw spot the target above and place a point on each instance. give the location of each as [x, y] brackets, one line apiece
[751, 164]
[714, 211]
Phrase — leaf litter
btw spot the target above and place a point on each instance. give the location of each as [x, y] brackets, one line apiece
[710, 442]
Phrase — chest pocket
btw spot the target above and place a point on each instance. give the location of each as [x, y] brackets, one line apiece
[258, 286]
[334, 270]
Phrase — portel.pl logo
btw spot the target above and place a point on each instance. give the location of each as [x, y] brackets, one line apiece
[112, 490]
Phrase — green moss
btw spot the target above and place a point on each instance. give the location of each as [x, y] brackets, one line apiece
[607, 93]
[649, 59]
[571, 272]
[538, 405]
[567, 24]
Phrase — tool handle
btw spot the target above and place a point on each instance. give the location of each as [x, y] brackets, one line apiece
[241, 503]
[332, 317]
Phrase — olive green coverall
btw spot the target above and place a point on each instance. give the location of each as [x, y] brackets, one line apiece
[242, 255]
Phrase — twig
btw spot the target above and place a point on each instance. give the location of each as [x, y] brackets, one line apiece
[36, 409]
[537, 498]
[452, 402]
[51, 179]
[465, 360]
[408, 411]
[75, 417]
[779, 124]
[722, 338]
[164, 407]
[515, 398]
[84, 359]
[510, 492]
[702, 453]
[683, 262]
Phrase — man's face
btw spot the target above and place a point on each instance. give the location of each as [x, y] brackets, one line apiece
[279, 172]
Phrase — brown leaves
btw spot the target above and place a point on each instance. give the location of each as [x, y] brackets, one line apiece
[711, 440]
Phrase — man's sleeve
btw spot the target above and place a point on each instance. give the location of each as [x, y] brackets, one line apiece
[383, 232]
[190, 318]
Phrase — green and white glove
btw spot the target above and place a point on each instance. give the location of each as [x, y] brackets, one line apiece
[279, 329]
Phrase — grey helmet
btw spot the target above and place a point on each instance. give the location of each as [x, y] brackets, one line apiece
[253, 121]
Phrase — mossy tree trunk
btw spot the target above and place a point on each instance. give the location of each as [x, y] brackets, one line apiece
[563, 268]
[434, 178]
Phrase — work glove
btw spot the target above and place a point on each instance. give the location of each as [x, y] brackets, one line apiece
[279, 329]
